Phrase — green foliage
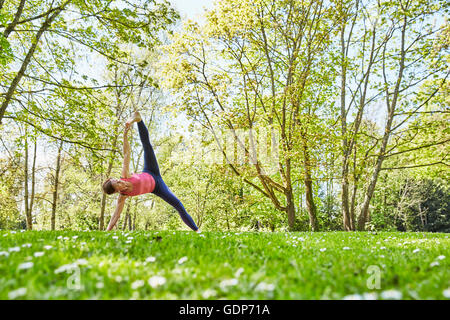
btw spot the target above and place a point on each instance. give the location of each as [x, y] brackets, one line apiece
[406, 203]
[10, 185]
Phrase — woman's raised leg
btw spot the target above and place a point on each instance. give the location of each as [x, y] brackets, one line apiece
[150, 162]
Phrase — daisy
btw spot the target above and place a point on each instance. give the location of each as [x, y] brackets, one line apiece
[156, 281]
[137, 284]
[182, 260]
[391, 294]
[262, 286]
[17, 293]
[26, 265]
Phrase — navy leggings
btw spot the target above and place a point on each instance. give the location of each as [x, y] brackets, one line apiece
[161, 189]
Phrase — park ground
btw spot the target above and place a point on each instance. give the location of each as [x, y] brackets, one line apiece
[223, 265]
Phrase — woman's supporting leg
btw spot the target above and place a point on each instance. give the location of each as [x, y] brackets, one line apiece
[150, 162]
[167, 195]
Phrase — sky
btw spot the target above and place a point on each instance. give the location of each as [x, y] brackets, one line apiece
[191, 9]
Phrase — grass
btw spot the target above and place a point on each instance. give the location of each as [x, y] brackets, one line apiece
[223, 265]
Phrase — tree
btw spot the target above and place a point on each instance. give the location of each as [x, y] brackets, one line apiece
[270, 74]
[386, 54]
[29, 198]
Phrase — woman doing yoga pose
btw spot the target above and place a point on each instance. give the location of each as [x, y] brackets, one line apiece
[149, 181]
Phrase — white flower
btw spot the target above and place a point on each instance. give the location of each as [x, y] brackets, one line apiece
[14, 249]
[26, 245]
[66, 238]
[128, 241]
[81, 262]
[156, 281]
[391, 294]
[182, 260]
[434, 264]
[4, 253]
[262, 286]
[130, 238]
[228, 283]
[74, 237]
[150, 259]
[446, 293]
[370, 296]
[59, 238]
[346, 248]
[209, 293]
[177, 271]
[353, 297]
[115, 237]
[26, 265]
[118, 279]
[137, 284]
[238, 272]
[416, 250]
[66, 267]
[17, 293]
[99, 285]
[47, 247]
[39, 254]
[441, 257]
[323, 249]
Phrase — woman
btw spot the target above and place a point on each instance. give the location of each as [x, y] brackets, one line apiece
[149, 181]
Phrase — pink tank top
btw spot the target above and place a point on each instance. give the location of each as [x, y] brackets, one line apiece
[142, 183]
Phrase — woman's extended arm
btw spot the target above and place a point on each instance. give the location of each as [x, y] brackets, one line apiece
[126, 154]
[115, 217]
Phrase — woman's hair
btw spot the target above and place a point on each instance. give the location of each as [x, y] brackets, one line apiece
[108, 187]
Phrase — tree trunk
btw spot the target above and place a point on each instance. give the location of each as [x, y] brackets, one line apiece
[101, 225]
[387, 133]
[134, 215]
[13, 24]
[310, 205]
[290, 209]
[127, 213]
[29, 199]
[101, 222]
[353, 205]
[33, 179]
[55, 186]
[345, 149]
[130, 225]
[28, 218]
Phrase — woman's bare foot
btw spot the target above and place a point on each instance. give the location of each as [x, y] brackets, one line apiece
[135, 118]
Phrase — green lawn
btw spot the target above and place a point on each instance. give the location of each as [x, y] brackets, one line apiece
[215, 265]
